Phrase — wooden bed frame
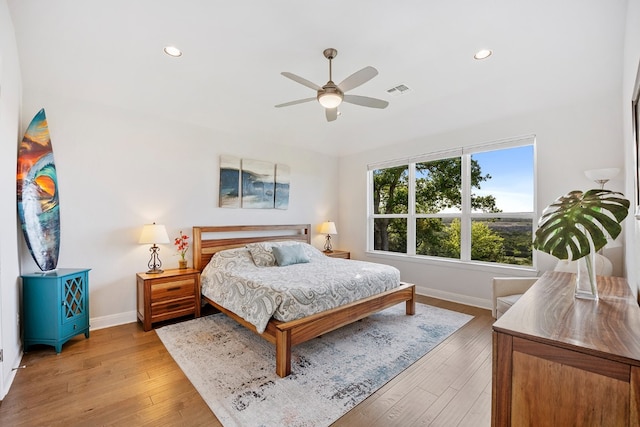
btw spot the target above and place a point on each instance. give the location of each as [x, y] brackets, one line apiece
[288, 334]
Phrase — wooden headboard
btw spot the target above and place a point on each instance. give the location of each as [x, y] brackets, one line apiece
[219, 238]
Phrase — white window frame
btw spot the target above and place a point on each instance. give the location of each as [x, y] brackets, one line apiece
[466, 216]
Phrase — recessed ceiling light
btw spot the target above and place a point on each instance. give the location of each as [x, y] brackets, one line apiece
[172, 51]
[482, 54]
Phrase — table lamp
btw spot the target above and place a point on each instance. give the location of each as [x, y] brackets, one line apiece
[601, 176]
[328, 228]
[152, 234]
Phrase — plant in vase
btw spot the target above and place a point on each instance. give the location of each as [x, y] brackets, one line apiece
[182, 244]
[575, 226]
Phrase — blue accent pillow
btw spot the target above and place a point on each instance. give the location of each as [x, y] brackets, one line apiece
[288, 255]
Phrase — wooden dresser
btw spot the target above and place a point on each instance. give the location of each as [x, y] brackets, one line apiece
[562, 361]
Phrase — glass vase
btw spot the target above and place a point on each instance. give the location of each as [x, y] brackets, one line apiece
[182, 263]
[586, 286]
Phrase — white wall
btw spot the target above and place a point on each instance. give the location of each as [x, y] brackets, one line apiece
[118, 170]
[569, 139]
[630, 71]
[9, 121]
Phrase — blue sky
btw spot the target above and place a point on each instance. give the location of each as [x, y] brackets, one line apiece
[511, 180]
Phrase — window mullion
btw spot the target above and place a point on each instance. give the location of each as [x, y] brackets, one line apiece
[411, 219]
[465, 219]
[370, 220]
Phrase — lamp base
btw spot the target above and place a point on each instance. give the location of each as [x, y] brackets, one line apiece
[327, 245]
[154, 263]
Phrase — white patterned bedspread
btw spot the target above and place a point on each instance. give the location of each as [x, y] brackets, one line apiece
[256, 294]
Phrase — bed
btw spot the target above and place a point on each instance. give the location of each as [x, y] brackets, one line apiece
[210, 240]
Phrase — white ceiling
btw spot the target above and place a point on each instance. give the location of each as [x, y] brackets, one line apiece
[546, 52]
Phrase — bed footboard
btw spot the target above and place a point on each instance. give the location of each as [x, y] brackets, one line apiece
[289, 334]
[285, 335]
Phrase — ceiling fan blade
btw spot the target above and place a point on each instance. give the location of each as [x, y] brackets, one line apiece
[301, 80]
[358, 78]
[331, 113]
[298, 101]
[365, 101]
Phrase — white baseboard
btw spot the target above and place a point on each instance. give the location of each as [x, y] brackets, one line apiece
[8, 380]
[450, 296]
[112, 320]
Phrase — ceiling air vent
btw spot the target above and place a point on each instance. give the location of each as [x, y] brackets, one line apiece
[398, 90]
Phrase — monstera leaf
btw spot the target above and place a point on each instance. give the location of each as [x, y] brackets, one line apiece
[567, 224]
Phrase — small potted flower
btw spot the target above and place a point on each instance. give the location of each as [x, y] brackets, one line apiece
[182, 245]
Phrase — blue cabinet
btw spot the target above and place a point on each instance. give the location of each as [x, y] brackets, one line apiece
[55, 306]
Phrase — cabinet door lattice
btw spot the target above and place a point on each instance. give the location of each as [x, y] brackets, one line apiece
[73, 297]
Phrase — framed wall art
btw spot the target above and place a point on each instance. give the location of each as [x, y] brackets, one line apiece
[258, 184]
[229, 181]
[253, 184]
[282, 187]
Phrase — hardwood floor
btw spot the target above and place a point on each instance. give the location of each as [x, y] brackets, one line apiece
[123, 376]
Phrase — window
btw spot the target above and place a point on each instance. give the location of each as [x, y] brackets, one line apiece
[471, 204]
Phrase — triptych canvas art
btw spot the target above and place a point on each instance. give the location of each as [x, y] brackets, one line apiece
[253, 184]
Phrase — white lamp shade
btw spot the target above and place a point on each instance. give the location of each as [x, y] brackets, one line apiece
[330, 100]
[604, 174]
[328, 227]
[154, 233]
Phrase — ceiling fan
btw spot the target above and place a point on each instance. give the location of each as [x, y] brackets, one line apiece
[330, 96]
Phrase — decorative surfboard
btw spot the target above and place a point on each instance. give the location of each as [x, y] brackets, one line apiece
[37, 190]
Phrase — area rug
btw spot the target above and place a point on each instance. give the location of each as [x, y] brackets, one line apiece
[233, 369]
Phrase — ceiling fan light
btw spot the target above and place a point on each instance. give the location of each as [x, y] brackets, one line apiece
[329, 100]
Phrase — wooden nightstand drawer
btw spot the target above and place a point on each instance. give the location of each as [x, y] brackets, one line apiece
[173, 289]
[173, 308]
[167, 295]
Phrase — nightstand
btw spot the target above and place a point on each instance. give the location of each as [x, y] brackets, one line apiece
[338, 254]
[167, 295]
